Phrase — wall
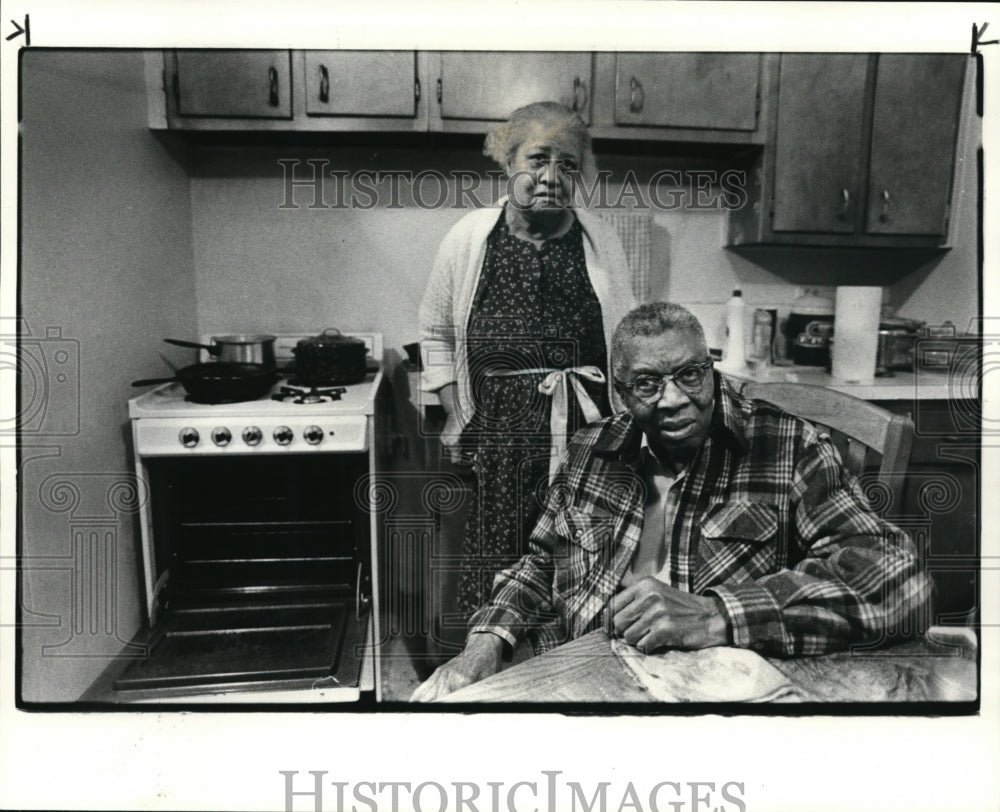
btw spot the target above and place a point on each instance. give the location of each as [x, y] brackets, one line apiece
[262, 266]
[106, 273]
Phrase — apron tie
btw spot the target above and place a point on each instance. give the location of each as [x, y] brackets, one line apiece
[554, 384]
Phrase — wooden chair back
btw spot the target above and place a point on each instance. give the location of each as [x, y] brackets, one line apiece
[866, 435]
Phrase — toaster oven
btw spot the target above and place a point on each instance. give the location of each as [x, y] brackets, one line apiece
[896, 340]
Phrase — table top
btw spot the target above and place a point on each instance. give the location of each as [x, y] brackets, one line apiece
[941, 667]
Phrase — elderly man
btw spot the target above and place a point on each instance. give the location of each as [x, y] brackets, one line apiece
[697, 518]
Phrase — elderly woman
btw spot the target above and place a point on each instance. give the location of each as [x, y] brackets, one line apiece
[515, 331]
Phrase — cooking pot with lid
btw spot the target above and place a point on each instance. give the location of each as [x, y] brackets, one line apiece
[330, 359]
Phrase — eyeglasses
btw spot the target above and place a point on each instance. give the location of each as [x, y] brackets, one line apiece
[688, 379]
[540, 161]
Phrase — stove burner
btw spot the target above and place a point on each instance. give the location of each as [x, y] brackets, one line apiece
[310, 395]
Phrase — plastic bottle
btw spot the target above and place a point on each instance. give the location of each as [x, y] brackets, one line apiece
[762, 336]
[735, 356]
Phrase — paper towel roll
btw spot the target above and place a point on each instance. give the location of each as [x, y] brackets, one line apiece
[857, 313]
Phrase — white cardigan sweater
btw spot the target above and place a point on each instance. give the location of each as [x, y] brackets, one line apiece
[444, 311]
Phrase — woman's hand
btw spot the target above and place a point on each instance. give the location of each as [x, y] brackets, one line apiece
[453, 451]
[452, 431]
[480, 659]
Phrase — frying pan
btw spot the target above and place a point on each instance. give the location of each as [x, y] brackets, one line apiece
[220, 382]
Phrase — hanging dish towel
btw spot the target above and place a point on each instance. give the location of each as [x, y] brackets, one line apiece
[634, 227]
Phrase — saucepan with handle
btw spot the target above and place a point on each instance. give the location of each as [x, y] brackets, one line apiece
[245, 348]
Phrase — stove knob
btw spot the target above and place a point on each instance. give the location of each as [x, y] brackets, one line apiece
[283, 435]
[313, 435]
[221, 436]
[189, 437]
[252, 435]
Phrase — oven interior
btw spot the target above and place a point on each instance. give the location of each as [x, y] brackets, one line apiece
[267, 565]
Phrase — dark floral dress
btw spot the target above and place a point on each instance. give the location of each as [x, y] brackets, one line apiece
[534, 309]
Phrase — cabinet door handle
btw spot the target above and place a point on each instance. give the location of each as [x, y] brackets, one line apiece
[845, 204]
[324, 84]
[636, 96]
[272, 78]
[884, 216]
[579, 95]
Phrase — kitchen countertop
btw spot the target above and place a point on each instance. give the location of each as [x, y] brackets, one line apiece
[902, 386]
[923, 385]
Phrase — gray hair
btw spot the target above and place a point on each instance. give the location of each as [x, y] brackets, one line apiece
[653, 319]
[503, 140]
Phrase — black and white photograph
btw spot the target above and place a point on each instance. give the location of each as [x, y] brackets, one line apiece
[552, 406]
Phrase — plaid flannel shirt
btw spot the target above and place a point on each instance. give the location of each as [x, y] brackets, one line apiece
[768, 521]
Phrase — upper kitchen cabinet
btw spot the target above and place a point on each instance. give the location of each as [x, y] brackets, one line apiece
[364, 91]
[705, 98]
[917, 101]
[231, 84]
[687, 91]
[476, 89]
[818, 149]
[361, 84]
[860, 153]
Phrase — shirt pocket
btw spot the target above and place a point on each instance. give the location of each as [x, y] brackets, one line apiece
[585, 546]
[739, 542]
[740, 521]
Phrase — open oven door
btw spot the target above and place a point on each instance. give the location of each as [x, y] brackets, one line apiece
[268, 586]
[315, 652]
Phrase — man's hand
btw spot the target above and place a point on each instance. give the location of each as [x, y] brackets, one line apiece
[480, 659]
[651, 615]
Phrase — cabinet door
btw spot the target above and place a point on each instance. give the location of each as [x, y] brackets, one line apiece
[914, 126]
[361, 83]
[240, 84]
[489, 86]
[819, 146]
[693, 91]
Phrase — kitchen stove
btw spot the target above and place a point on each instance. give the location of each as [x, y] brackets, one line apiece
[259, 553]
[288, 419]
